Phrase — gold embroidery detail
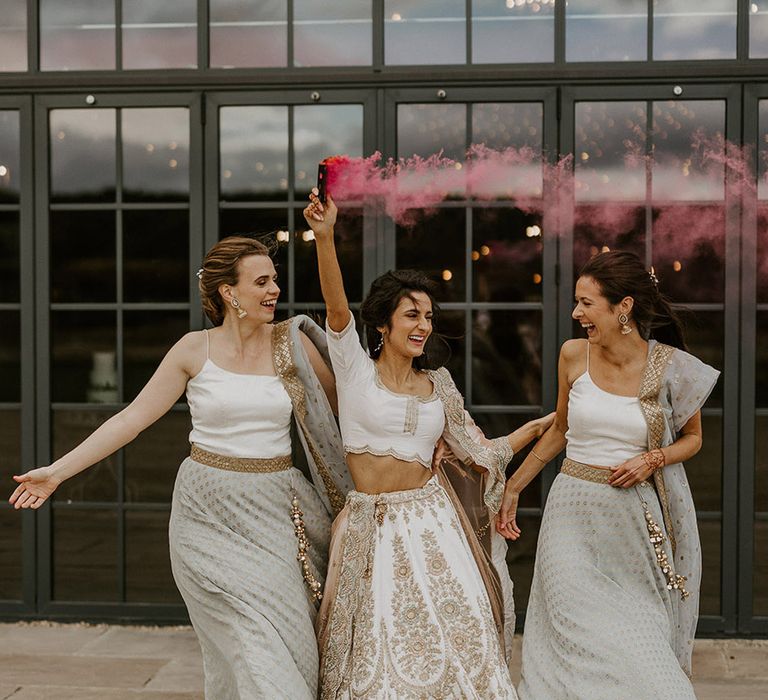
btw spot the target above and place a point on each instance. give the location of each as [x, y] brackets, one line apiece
[411, 415]
[299, 529]
[674, 581]
[240, 464]
[585, 472]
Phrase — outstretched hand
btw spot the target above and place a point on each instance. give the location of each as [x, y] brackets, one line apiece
[321, 217]
[34, 488]
[506, 520]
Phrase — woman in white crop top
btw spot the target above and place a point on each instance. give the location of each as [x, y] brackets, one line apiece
[615, 592]
[418, 592]
[248, 532]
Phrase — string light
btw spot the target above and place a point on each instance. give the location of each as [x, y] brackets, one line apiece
[308, 236]
[447, 275]
[485, 250]
[284, 236]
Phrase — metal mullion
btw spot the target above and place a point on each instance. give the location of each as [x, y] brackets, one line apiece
[468, 28]
[377, 39]
[649, 45]
[291, 202]
[9, 207]
[82, 206]
[203, 35]
[11, 306]
[33, 36]
[289, 32]
[559, 33]
[114, 306]
[468, 277]
[152, 206]
[742, 31]
[84, 505]
[197, 204]
[255, 205]
[648, 181]
[118, 35]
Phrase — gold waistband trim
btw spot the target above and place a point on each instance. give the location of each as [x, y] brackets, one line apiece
[240, 464]
[585, 472]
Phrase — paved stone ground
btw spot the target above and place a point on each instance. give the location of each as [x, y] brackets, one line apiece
[46, 661]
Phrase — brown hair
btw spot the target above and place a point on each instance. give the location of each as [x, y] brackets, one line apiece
[220, 267]
[621, 274]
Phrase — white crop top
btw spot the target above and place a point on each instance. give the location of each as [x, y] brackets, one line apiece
[604, 429]
[239, 415]
[373, 419]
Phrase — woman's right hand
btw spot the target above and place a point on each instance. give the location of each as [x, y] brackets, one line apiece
[506, 520]
[34, 488]
[321, 217]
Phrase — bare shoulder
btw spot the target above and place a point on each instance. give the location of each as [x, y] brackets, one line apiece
[189, 352]
[573, 350]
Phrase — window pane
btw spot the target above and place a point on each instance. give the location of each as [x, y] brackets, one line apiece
[609, 153]
[606, 226]
[436, 246]
[504, 240]
[758, 30]
[425, 32]
[10, 356]
[254, 153]
[762, 253]
[685, 134]
[710, 532]
[762, 141]
[600, 30]
[11, 554]
[705, 470]
[147, 337]
[320, 131]
[694, 29]
[99, 482]
[83, 349]
[77, 35]
[248, 33]
[9, 156]
[705, 336]
[83, 157]
[10, 444]
[505, 31]
[332, 33]
[761, 367]
[84, 554]
[83, 264]
[148, 577]
[152, 459]
[9, 257]
[760, 580]
[159, 35]
[156, 255]
[155, 154]
[449, 344]
[506, 357]
[13, 37]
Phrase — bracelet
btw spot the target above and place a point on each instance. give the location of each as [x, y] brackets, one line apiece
[533, 452]
[654, 459]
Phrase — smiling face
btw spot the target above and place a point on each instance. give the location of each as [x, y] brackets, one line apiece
[597, 317]
[409, 326]
[256, 288]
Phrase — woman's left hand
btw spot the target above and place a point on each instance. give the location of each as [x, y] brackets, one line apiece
[630, 473]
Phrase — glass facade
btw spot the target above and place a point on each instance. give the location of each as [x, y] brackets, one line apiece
[209, 119]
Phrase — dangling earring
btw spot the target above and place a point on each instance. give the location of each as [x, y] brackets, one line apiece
[380, 345]
[624, 321]
[241, 313]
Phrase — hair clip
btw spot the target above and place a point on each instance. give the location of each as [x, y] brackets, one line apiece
[200, 274]
[654, 279]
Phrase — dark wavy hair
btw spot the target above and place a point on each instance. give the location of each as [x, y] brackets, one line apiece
[621, 274]
[385, 294]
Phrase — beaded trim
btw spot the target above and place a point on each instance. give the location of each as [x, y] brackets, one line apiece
[302, 556]
[674, 581]
[240, 464]
[585, 472]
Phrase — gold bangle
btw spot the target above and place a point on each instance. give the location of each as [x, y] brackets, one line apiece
[533, 452]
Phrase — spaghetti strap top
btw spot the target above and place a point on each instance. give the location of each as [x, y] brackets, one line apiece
[238, 415]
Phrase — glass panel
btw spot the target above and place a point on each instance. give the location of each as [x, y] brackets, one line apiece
[762, 253]
[425, 32]
[83, 345]
[515, 125]
[152, 459]
[506, 31]
[10, 356]
[77, 35]
[10, 445]
[609, 151]
[436, 246]
[705, 470]
[349, 248]
[596, 30]
[83, 158]
[83, 266]
[448, 345]
[261, 223]
[9, 257]
[705, 337]
[320, 131]
[710, 533]
[84, 554]
[761, 365]
[506, 357]
[148, 577]
[762, 142]
[689, 252]
[11, 555]
[147, 337]
[248, 33]
[505, 239]
[254, 152]
[687, 145]
[9, 155]
[760, 563]
[600, 227]
[13, 38]
[332, 33]
[758, 29]
[155, 154]
[156, 255]
[159, 35]
[99, 482]
[426, 129]
[694, 29]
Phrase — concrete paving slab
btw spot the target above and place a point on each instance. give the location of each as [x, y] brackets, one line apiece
[7, 690]
[733, 690]
[709, 659]
[64, 693]
[77, 671]
[47, 638]
[147, 642]
[749, 660]
[180, 675]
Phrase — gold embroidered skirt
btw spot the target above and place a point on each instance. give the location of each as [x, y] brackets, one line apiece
[405, 612]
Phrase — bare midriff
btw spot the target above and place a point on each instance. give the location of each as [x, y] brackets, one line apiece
[373, 474]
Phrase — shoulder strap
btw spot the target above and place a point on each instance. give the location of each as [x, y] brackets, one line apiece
[587, 356]
[207, 345]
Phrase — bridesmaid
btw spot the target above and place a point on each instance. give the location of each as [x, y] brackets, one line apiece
[248, 533]
[615, 594]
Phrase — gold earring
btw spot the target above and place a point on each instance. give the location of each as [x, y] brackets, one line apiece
[626, 329]
[241, 313]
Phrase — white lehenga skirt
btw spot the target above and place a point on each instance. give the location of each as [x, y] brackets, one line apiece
[600, 619]
[406, 613]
